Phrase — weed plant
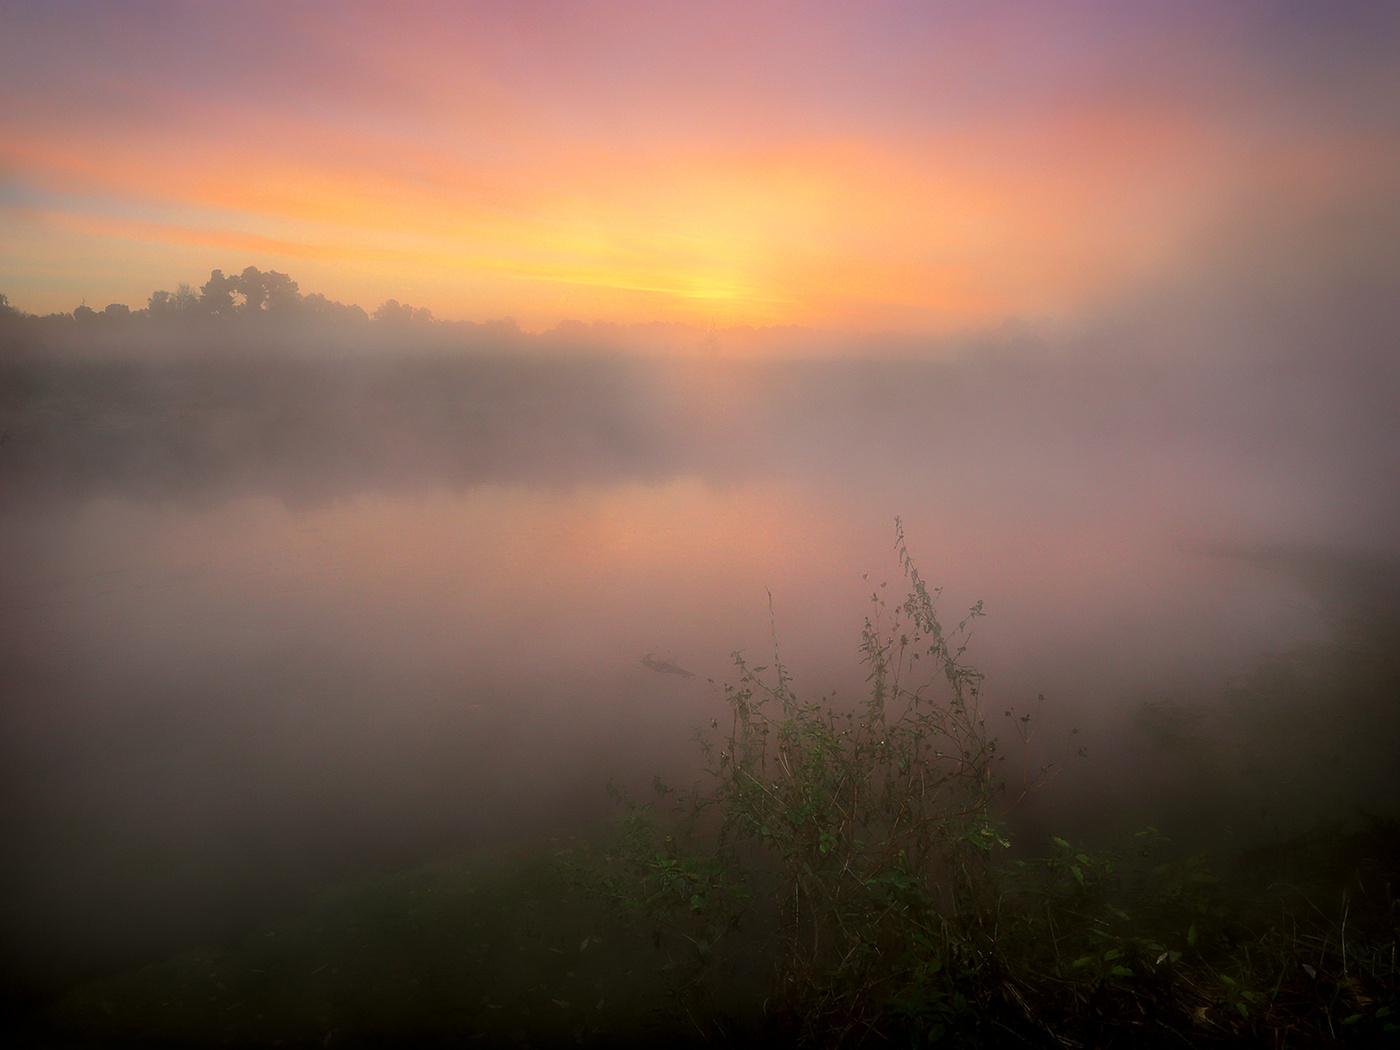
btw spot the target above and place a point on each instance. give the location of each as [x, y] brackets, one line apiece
[853, 862]
[862, 844]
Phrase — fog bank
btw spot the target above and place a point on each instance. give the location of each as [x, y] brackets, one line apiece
[275, 617]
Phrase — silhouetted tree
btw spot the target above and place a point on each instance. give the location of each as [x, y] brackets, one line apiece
[318, 306]
[163, 305]
[216, 296]
[281, 299]
[185, 301]
[271, 293]
[252, 283]
[390, 312]
[393, 312]
[12, 326]
[9, 316]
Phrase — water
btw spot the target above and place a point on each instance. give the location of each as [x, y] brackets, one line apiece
[215, 702]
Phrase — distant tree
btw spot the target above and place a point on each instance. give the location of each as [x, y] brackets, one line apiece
[163, 304]
[252, 282]
[318, 306]
[282, 299]
[185, 300]
[117, 312]
[271, 293]
[12, 324]
[393, 312]
[84, 314]
[216, 295]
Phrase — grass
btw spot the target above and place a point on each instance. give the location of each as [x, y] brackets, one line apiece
[494, 949]
[841, 876]
[507, 950]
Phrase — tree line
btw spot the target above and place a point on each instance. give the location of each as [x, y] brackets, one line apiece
[251, 296]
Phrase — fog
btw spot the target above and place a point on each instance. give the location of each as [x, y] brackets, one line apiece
[278, 612]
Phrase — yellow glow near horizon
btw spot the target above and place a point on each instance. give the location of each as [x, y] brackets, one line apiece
[882, 169]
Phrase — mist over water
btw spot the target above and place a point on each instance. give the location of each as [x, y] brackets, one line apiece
[275, 621]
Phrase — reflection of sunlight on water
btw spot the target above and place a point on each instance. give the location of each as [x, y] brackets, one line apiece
[527, 585]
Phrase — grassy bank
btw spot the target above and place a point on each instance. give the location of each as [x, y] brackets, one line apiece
[495, 949]
[1293, 946]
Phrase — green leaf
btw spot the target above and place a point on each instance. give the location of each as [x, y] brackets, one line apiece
[1192, 934]
[1061, 843]
[1082, 962]
[1352, 1019]
[1077, 873]
[1121, 971]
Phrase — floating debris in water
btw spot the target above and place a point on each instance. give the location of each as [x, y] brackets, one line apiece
[665, 666]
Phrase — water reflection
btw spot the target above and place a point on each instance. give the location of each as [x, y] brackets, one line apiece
[264, 692]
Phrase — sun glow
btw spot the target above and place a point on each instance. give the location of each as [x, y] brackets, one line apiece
[853, 170]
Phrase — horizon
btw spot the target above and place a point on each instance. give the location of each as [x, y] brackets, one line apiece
[865, 169]
[280, 307]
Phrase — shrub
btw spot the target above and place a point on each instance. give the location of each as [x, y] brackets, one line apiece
[863, 840]
[850, 861]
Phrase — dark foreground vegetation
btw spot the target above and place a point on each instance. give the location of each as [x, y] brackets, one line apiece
[843, 876]
[506, 950]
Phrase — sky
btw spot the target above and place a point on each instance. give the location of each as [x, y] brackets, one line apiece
[875, 166]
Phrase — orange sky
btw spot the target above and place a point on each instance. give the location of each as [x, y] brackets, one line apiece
[871, 166]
